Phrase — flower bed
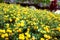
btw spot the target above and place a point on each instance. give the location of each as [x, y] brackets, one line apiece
[23, 23]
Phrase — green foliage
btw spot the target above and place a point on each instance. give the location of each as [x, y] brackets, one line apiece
[1, 1]
[25, 23]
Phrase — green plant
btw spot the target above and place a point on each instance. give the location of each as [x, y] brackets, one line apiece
[20, 23]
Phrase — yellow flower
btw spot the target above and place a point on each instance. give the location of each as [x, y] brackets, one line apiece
[33, 38]
[7, 25]
[6, 35]
[18, 25]
[58, 28]
[56, 38]
[42, 25]
[59, 24]
[35, 27]
[22, 24]
[27, 34]
[5, 9]
[10, 20]
[6, 38]
[9, 30]
[2, 31]
[16, 19]
[51, 14]
[19, 30]
[21, 36]
[3, 35]
[34, 23]
[22, 21]
[47, 36]
[42, 39]
[18, 12]
[47, 39]
[46, 29]
[27, 38]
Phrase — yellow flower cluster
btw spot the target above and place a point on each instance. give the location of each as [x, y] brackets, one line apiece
[23, 23]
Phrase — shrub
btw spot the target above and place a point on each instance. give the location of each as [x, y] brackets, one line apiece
[19, 23]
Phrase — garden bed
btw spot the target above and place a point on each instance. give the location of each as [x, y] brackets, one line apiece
[24, 23]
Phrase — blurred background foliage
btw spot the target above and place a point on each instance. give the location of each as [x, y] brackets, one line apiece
[29, 1]
[1, 1]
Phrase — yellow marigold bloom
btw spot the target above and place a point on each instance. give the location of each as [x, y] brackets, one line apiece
[21, 36]
[47, 36]
[42, 39]
[3, 35]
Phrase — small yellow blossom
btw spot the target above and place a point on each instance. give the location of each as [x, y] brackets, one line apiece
[47, 39]
[59, 24]
[27, 34]
[21, 36]
[2, 31]
[7, 25]
[19, 30]
[58, 28]
[35, 27]
[33, 38]
[46, 29]
[47, 36]
[6, 38]
[6, 35]
[10, 20]
[27, 38]
[9, 30]
[3, 35]
[18, 25]
[16, 19]
[22, 24]
[42, 39]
